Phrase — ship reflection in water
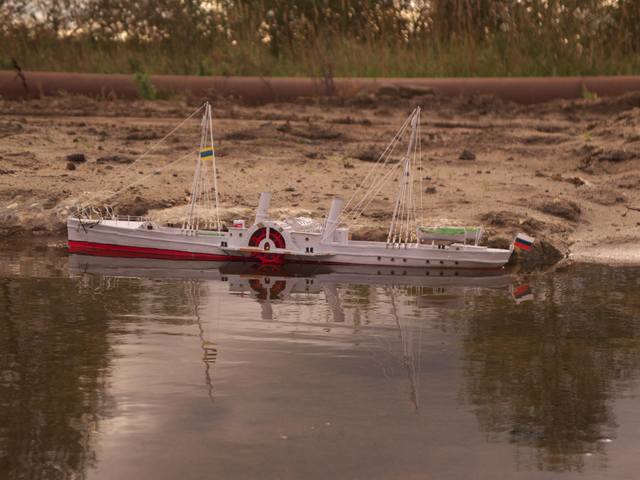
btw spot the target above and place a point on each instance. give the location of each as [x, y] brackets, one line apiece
[133, 368]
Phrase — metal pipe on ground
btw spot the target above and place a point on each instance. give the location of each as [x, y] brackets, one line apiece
[27, 84]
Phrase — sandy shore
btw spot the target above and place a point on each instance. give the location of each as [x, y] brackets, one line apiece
[567, 173]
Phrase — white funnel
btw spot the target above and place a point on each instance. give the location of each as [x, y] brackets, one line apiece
[263, 207]
[332, 219]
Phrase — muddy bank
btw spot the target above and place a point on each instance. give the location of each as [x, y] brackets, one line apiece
[566, 172]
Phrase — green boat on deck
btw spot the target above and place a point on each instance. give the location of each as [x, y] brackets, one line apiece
[450, 234]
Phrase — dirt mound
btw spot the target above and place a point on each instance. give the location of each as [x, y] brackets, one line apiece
[561, 208]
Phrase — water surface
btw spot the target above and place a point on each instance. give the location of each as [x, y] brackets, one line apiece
[113, 368]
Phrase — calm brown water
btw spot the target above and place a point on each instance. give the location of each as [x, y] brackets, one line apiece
[114, 369]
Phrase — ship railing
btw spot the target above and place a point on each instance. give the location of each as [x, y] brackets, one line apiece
[129, 218]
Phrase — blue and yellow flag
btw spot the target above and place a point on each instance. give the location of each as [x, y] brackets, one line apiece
[206, 153]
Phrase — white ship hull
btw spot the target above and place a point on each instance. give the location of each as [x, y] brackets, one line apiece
[135, 239]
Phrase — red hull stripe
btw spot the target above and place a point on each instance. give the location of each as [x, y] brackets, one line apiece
[108, 250]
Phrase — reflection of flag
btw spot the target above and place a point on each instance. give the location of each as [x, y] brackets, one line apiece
[522, 293]
[523, 241]
[206, 153]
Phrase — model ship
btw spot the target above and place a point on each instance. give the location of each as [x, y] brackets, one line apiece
[202, 236]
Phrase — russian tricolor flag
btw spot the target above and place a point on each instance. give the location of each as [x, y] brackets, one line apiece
[523, 242]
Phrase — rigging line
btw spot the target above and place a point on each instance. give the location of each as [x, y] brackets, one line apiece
[153, 147]
[187, 224]
[148, 176]
[381, 162]
[382, 183]
[378, 163]
[371, 195]
[421, 169]
[374, 187]
[215, 173]
[397, 227]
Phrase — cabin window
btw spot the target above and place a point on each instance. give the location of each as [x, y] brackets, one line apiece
[240, 234]
[428, 272]
[223, 244]
[306, 239]
[311, 249]
[441, 262]
[404, 259]
[393, 259]
[456, 262]
[428, 262]
[230, 234]
[379, 258]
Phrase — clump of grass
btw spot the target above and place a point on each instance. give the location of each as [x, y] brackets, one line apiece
[146, 89]
[588, 95]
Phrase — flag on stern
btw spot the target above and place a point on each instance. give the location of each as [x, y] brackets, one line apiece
[206, 153]
[523, 242]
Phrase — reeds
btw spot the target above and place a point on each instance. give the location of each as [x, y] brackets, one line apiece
[326, 37]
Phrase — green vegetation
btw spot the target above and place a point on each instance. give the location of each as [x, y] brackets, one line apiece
[324, 37]
[145, 87]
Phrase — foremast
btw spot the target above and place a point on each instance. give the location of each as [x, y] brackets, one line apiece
[203, 210]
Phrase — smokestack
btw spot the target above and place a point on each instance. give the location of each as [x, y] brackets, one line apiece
[263, 207]
[332, 219]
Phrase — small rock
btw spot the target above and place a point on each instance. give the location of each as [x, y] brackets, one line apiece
[467, 155]
[71, 166]
[430, 190]
[77, 158]
[368, 155]
[6, 171]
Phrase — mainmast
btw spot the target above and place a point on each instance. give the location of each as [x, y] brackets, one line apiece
[203, 210]
[402, 230]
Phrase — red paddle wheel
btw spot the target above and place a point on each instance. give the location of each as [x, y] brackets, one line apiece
[275, 237]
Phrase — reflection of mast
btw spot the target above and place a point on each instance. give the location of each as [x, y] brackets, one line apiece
[408, 355]
[209, 350]
[333, 299]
